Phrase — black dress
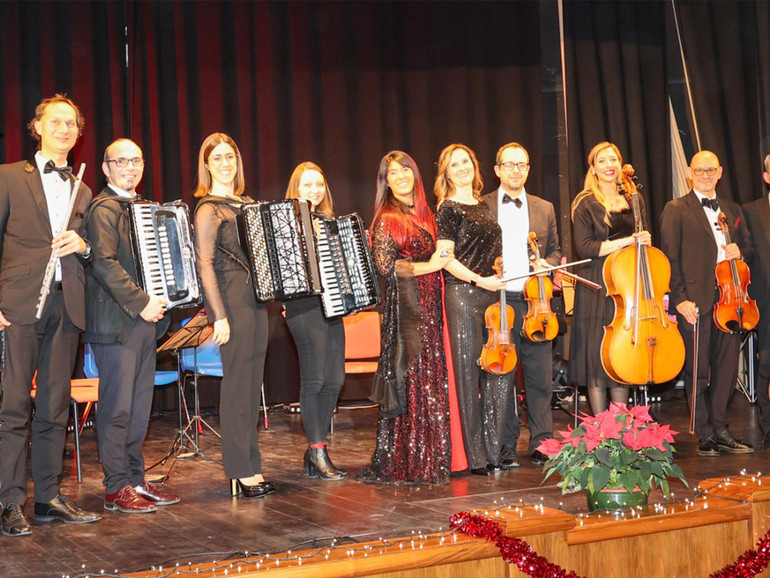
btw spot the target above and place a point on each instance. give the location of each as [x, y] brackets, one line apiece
[413, 444]
[593, 309]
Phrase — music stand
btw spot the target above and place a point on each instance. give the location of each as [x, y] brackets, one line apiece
[193, 334]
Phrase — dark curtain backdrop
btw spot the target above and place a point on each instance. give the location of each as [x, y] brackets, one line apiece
[727, 50]
[74, 48]
[339, 83]
[617, 91]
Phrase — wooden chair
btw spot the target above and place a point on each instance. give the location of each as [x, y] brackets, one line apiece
[81, 391]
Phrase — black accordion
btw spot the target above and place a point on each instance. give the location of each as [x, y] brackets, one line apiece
[163, 251]
[347, 271]
[277, 237]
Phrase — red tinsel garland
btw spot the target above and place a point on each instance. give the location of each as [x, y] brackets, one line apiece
[517, 551]
[513, 550]
[751, 562]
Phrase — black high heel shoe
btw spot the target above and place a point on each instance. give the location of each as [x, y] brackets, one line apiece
[318, 465]
[238, 488]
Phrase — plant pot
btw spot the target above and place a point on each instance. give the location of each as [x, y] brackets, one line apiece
[615, 499]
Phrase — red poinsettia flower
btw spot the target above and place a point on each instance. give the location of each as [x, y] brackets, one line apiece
[550, 447]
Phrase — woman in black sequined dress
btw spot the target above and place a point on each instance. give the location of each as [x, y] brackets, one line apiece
[602, 223]
[467, 227]
[413, 436]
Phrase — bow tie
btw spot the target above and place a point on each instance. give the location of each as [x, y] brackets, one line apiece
[64, 172]
[713, 203]
[516, 201]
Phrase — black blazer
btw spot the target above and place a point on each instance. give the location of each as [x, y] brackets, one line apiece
[757, 215]
[542, 220]
[25, 246]
[114, 297]
[687, 239]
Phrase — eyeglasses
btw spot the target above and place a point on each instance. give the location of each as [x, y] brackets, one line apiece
[710, 172]
[521, 167]
[122, 163]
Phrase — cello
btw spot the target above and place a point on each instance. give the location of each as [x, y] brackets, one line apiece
[540, 323]
[498, 356]
[641, 346]
[735, 311]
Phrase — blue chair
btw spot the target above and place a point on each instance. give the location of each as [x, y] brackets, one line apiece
[163, 377]
[206, 360]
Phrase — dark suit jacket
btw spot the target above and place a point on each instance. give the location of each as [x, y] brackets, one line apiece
[114, 297]
[757, 215]
[687, 239]
[542, 220]
[25, 246]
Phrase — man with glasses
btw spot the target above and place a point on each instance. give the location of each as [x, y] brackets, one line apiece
[758, 222]
[694, 243]
[121, 327]
[34, 200]
[519, 213]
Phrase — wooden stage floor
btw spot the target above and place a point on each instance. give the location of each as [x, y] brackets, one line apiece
[209, 525]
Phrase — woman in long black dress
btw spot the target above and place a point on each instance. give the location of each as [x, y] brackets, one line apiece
[240, 323]
[413, 435]
[320, 341]
[467, 228]
[602, 223]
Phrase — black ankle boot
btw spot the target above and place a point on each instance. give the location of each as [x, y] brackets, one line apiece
[318, 465]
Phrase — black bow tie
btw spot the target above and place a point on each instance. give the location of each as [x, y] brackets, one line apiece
[713, 203]
[516, 201]
[64, 172]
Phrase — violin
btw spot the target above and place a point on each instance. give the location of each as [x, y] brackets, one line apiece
[540, 323]
[641, 346]
[735, 311]
[498, 356]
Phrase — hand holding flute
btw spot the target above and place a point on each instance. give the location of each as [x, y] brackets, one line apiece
[64, 243]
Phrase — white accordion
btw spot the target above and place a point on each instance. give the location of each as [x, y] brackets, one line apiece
[163, 251]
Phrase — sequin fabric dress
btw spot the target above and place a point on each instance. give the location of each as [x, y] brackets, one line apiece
[413, 444]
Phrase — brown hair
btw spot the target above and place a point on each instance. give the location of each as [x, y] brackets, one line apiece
[204, 175]
[40, 111]
[510, 145]
[443, 188]
[292, 190]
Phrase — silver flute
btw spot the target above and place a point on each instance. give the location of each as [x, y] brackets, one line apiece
[50, 269]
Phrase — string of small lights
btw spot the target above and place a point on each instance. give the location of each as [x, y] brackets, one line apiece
[474, 524]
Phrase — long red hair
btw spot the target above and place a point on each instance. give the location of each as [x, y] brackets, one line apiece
[394, 215]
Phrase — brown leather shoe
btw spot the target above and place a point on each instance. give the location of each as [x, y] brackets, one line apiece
[13, 523]
[128, 501]
[151, 493]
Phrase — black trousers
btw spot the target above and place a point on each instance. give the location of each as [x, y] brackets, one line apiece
[321, 350]
[243, 366]
[536, 361]
[717, 373]
[126, 382]
[763, 375]
[482, 397]
[48, 346]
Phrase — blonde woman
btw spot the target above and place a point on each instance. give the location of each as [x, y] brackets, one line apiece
[467, 228]
[602, 223]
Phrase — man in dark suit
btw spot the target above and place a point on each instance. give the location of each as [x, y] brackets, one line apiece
[757, 215]
[34, 198]
[694, 243]
[120, 326]
[518, 213]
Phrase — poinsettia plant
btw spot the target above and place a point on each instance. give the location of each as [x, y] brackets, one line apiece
[620, 448]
